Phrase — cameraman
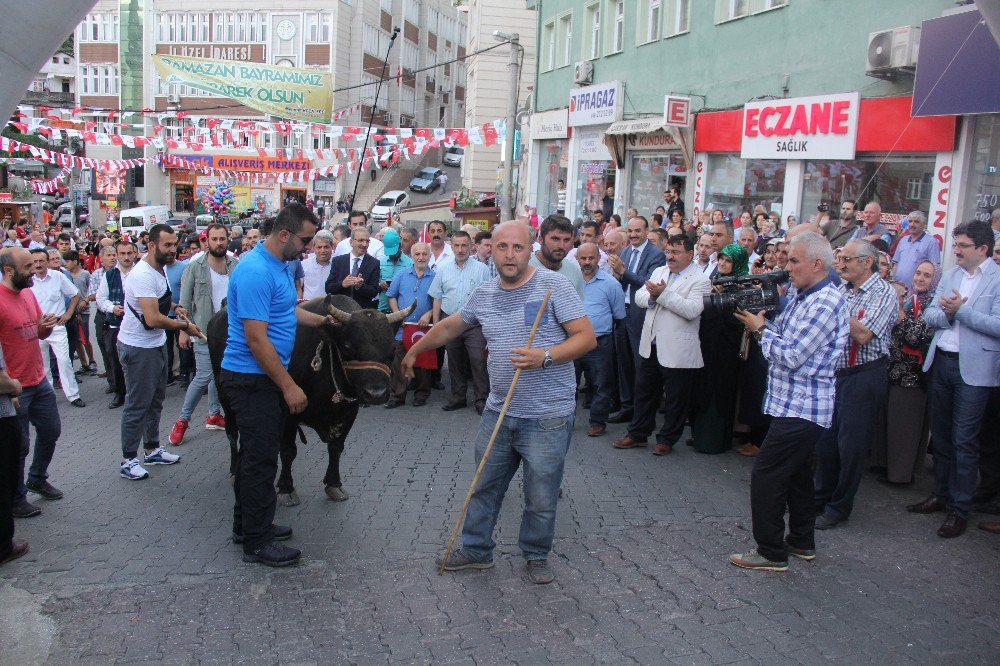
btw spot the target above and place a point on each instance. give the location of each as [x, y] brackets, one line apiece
[803, 346]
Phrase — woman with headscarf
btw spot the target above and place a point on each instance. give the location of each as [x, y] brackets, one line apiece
[715, 398]
[902, 443]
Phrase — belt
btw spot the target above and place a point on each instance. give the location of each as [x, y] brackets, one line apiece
[946, 354]
[855, 369]
[602, 336]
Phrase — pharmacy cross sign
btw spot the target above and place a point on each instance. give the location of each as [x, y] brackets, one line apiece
[677, 111]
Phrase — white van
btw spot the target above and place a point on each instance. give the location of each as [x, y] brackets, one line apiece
[136, 220]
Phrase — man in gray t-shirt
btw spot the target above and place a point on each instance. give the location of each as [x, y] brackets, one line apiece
[538, 424]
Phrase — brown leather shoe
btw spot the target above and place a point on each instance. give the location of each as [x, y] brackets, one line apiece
[952, 526]
[662, 449]
[990, 526]
[930, 505]
[596, 430]
[18, 549]
[749, 450]
[627, 442]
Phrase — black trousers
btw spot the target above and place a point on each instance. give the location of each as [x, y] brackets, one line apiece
[989, 449]
[259, 409]
[782, 477]
[116, 377]
[652, 380]
[10, 462]
[99, 332]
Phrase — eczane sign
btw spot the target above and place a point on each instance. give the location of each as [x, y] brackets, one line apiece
[821, 127]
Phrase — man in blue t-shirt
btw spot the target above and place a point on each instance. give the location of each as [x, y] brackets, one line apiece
[262, 322]
[538, 425]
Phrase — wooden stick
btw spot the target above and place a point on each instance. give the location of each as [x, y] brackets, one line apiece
[493, 437]
[201, 337]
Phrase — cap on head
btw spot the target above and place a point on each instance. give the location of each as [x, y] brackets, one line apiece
[390, 243]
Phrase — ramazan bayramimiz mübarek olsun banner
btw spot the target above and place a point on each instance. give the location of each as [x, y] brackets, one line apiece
[288, 92]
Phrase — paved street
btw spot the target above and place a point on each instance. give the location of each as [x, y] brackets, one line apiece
[134, 571]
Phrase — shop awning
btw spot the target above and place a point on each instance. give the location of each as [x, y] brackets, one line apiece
[635, 126]
[615, 137]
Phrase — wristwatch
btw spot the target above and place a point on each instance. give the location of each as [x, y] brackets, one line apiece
[758, 333]
[547, 361]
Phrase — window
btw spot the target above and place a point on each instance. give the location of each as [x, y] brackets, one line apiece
[374, 41]
[765, 5]
[240, 27]
[648, 24]
[678, 17]
[101, 27]
[409, 56]
[727, 10]
[565, 40]
[386, 6]
[736, 185]
[99, 79]
[549, 46]
[593, 28]
[319, 28]
[182, 27]
[615, 40]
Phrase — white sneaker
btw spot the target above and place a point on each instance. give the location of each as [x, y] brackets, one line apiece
[132, 470]
[160, 456]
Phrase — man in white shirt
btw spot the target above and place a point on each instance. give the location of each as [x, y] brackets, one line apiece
[316, 266]
[142, 348]
[705, 256]
[51, 289]
[358, 219]
[441, 252]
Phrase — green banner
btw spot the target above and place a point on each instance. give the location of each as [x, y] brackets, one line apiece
[288, 92]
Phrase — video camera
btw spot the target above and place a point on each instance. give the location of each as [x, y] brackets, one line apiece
[752, 293]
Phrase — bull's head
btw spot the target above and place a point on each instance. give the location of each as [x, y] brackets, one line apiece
[366, 340]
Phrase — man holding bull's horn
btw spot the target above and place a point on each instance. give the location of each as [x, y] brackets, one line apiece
[537, 414]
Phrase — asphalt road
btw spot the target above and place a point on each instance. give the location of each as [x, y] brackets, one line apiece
[125, 571]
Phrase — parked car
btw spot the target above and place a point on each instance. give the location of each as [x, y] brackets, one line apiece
[389, 203]
[183, 225]
[427, 180]
[453, 156]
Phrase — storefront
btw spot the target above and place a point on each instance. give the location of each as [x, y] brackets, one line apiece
[804, 156]
[592, 169]
[651, 158]
[549, 134]
[182, 191]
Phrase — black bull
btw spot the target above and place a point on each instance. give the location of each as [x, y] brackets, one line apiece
[338, 366]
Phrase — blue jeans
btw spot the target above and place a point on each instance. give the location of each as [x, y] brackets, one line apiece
[596, 367]
[956, 414]
[203, 378]
[38, 408]
[542, 445]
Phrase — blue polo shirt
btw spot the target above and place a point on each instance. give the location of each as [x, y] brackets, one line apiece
[261, 288]
[174, 273]
[406, 288]
[604, 301]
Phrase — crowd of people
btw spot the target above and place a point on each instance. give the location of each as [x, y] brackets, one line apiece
[871, 356]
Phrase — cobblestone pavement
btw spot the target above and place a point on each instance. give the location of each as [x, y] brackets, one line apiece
[125, 571]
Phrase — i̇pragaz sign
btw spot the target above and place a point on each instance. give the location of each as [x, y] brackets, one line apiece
[821, 127]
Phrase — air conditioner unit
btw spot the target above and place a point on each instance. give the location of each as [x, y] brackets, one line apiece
[583, 72]
[893, 51]
[173, 98]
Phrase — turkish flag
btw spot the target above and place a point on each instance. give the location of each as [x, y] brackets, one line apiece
[413, 332]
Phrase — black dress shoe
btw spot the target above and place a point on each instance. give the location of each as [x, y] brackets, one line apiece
[25, 509]
[952, 526]
[43, 488]
[620, 417]
[930, 505]
[116, 403]
[109, 391]
[273, 555]
[437, 386]
[281, 533]
[452, 406]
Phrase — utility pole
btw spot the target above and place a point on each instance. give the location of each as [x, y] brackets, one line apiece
[514, 67]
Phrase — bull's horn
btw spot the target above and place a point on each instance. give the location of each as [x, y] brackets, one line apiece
[397, 317]
[338, 314]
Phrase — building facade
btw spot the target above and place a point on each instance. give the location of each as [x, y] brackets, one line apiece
[605, 68]
[348, 38]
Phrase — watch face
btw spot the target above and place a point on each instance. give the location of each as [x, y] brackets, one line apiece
[285, 30]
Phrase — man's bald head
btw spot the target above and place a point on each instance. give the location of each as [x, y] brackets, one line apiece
[511, 251]
[512, 230]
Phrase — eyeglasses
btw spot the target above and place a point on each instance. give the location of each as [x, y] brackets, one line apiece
[306, 240]
[846, 259]
[965, 246]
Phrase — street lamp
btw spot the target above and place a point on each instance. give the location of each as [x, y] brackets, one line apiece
[514, 67]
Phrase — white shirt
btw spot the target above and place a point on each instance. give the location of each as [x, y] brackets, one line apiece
[143, 281]
[713, 261]
[220, 288]
[101, 297]
[316, 274]
[52, 291]
[375, 248]
[950, 338]
[447, 254]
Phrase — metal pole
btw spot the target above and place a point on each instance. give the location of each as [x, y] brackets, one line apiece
[371, 121]
[514, 68]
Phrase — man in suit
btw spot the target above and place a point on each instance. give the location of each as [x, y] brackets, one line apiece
[963, 363]
[355, 274]
[633, 268]
[672, 302]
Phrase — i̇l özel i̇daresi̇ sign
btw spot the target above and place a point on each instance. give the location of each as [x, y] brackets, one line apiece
[288, 92]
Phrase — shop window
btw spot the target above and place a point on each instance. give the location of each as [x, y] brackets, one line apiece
[736, 185]
[900, 184]
[553, 167]
[983, 193]
[649, 178]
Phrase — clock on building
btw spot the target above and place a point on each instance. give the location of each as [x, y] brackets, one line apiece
[285, 30]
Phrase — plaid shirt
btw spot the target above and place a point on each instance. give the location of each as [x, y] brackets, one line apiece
[803, 346]
[877, 299]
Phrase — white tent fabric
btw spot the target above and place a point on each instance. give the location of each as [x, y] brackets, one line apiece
[29, 34]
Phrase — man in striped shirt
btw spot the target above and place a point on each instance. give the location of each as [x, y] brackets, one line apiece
[862, 383]
[802, 346]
